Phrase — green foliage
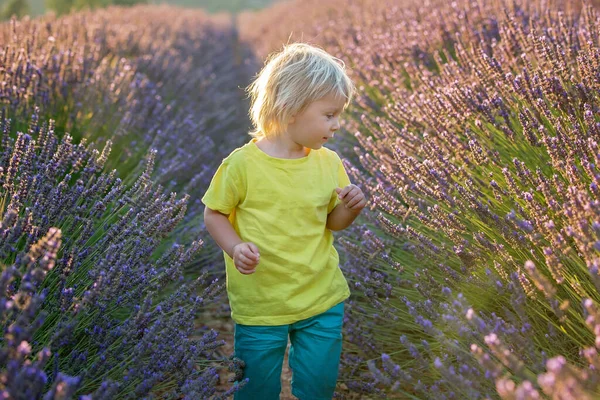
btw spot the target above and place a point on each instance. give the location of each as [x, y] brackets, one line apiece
[60, 6]
[39, 7]
[93, 4]
[128, 2]
[66, 6]
[215, 6]
[36, 7]
[14, 7]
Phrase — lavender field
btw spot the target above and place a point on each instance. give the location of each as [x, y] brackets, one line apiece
[475, 135]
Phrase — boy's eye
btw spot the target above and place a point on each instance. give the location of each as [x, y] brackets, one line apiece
[330, 116]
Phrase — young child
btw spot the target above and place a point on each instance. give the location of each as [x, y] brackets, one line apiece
[271, 207]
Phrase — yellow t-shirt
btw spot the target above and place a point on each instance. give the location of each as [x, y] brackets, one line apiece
[281, 205]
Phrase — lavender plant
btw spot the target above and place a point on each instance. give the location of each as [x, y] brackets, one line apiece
[146, 89]
[80, 275]
[488, 175]
[476, 274]
[142, 77]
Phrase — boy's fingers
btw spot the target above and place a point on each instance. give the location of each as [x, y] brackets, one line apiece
[354, 201]
[245, 265]
[254, 248]
[250, 255]
[344, 192]
[246, 271]
[361, 203]
[245, 259]
[247, 253]
[357, 198]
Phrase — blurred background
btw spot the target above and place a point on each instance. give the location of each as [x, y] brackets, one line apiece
[39, 7]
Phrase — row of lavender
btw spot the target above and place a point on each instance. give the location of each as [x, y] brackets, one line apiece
[103, 115]
[477, 134]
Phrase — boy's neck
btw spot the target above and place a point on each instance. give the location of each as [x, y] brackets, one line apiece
[282, 147]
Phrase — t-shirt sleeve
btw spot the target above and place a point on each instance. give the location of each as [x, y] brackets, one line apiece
[342, 182]
[225, 190]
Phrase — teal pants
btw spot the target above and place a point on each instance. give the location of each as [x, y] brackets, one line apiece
[315, 349]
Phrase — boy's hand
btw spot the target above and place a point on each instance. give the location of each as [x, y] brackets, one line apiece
[352, 198]
[246, 257]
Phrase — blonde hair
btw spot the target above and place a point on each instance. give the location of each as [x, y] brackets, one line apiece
[290, 80]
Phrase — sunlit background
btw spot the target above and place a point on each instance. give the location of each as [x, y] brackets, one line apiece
[39, 7]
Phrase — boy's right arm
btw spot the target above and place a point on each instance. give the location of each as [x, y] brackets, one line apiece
[245, 255]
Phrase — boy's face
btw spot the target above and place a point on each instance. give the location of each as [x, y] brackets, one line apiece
[317, 123]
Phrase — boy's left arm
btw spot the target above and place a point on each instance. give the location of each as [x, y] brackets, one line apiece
[353, 201]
